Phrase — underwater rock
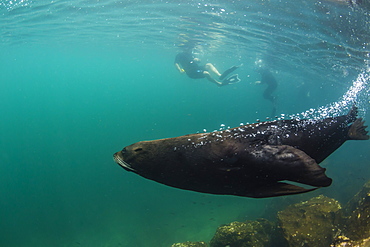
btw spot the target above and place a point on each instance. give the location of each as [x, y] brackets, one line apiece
[342, 241]
[318, 222]
[310, 223]
[357, 223]
[243, 234]
[190, 244]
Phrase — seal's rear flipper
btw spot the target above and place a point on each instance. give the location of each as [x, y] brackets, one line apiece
[280, 189]
[358, 131]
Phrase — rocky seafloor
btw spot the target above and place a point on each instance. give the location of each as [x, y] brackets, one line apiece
[318, 222]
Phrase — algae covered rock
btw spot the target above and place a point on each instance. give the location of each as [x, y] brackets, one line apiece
[357, 224]
[243, 234]
[343, 241]
[190, 244]
[310, 223]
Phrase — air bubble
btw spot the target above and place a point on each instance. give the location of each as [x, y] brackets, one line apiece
[356, 93]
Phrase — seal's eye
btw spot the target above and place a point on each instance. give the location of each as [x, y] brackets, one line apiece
[138, 149]
[123, 151]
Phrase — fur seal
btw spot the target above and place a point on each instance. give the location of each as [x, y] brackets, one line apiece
[256, 160]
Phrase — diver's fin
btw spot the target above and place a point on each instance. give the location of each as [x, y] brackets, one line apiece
[229, 71]
[231, 80]
[358, 131]
[279, 189]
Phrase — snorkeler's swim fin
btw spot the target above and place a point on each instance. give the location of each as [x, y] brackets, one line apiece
[231, 80]
[229, 71]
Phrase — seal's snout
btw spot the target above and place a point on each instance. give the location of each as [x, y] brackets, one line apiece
[117, 157]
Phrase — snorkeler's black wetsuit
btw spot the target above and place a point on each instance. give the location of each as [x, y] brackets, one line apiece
[191, 67]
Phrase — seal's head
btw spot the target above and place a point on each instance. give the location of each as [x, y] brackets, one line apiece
[129, 157]
[142, 157]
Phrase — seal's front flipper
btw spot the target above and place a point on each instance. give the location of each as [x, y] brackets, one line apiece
[231, 80]
[279, 189]
[358, 131]
[229, 71]
[288, 163]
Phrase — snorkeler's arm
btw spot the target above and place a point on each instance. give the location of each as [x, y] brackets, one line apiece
[181, 70]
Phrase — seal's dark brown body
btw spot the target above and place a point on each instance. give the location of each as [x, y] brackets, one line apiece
[256, 160]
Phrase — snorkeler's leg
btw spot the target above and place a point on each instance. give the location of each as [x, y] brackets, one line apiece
[211, 79]
[210, 67]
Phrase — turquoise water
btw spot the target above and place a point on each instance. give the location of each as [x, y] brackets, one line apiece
[79, 80]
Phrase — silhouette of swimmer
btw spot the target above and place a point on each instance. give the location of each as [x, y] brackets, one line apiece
[268, 78]
[187, 63]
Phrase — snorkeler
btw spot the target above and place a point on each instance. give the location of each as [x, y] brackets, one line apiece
[268, 78]
[187, 63]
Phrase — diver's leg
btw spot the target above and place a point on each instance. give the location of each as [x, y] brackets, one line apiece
[210, 67]
[211, 79]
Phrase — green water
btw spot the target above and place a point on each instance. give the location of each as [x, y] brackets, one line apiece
[66, 112]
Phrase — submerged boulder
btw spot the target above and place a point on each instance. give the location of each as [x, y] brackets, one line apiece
[318, 222]
[343, 241]
[310, 223]
[357, 211]
[190, 244]
[243, 234]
